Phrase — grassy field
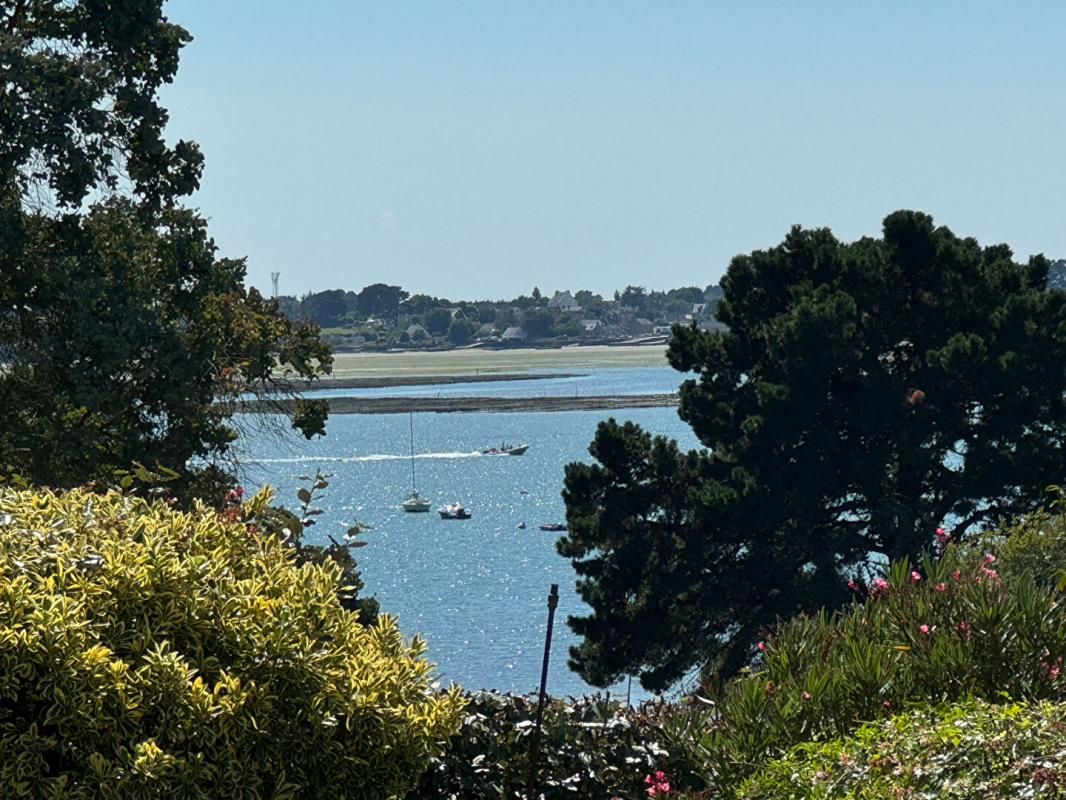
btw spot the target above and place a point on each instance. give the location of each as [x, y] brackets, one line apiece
[472, 362]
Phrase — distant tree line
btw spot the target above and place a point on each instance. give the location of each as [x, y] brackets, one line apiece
[385, 315]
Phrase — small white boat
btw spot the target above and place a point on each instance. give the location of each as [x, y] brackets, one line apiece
[506, 450]
[416, 503]
[453, 511]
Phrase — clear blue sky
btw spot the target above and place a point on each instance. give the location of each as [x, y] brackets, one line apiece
[474, 149]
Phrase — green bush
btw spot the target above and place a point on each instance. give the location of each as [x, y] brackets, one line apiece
[1035, 546]
[969, 751]
[148, 653]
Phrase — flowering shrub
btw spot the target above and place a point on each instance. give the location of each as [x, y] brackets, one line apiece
[969, 750]
[149, 653]
[951, 630]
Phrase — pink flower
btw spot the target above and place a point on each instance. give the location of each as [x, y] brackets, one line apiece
[853, 585]
[956, 576]
[1054, 668]
[925, 629]
[879, 588]
[887, 704]
[942, 539]
[964, 629]
[657, 784]
[989, 558]
[916, 577]
[761, 646]
[941, 587]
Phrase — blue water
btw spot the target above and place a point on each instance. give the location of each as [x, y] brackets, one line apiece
[475, 590]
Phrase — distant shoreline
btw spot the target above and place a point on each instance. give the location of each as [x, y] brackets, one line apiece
[385, 382]
[452, 405]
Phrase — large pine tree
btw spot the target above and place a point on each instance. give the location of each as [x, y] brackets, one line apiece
[864, 394]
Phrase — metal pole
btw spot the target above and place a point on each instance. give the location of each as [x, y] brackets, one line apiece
[553, 601]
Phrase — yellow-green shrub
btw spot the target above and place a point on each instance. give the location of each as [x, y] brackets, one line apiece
[148, 653]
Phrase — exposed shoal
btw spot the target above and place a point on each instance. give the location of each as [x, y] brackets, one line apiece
[444, 405]
[383, 381]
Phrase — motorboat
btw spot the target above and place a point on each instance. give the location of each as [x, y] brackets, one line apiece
[453, 511]
[552, 526]
[506, 450]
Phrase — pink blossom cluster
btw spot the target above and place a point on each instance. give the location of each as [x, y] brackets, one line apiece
[658, 784]
[879, 588]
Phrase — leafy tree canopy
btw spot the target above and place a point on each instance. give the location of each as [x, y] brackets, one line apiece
[634, 297]
[380, 300]
[437, 320]
[864, 394]
[79, 104]
[123, 337]
[326, 308]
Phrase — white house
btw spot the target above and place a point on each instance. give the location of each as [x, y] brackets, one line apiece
[564, 301]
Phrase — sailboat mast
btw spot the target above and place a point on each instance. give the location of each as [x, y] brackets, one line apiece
[412, 420]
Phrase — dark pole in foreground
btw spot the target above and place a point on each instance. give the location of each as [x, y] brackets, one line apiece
[553, 601]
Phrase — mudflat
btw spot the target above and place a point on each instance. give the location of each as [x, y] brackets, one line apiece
[448, 405]
[474, 361]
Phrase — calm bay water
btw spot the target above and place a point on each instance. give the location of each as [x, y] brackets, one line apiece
[475, 590]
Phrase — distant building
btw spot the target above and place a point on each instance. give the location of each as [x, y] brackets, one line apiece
[513, 333]
[564, 301]
[415, 330]
[661, 329]
[698, 309]
[591, 324]
[486, 331]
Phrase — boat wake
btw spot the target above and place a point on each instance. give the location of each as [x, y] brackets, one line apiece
[357, 459]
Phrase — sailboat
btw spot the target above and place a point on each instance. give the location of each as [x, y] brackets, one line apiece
[414, 502]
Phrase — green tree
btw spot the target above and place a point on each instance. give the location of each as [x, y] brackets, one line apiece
[863, 395]
[326, 309]
[538, 323]
[419, 304]
[634, 297]
[80, 103]
[381, 300]
[461, 330]
[437, 321]
[135, 345]
[124, 337]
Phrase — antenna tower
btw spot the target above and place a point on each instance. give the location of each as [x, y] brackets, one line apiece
[274, 281]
